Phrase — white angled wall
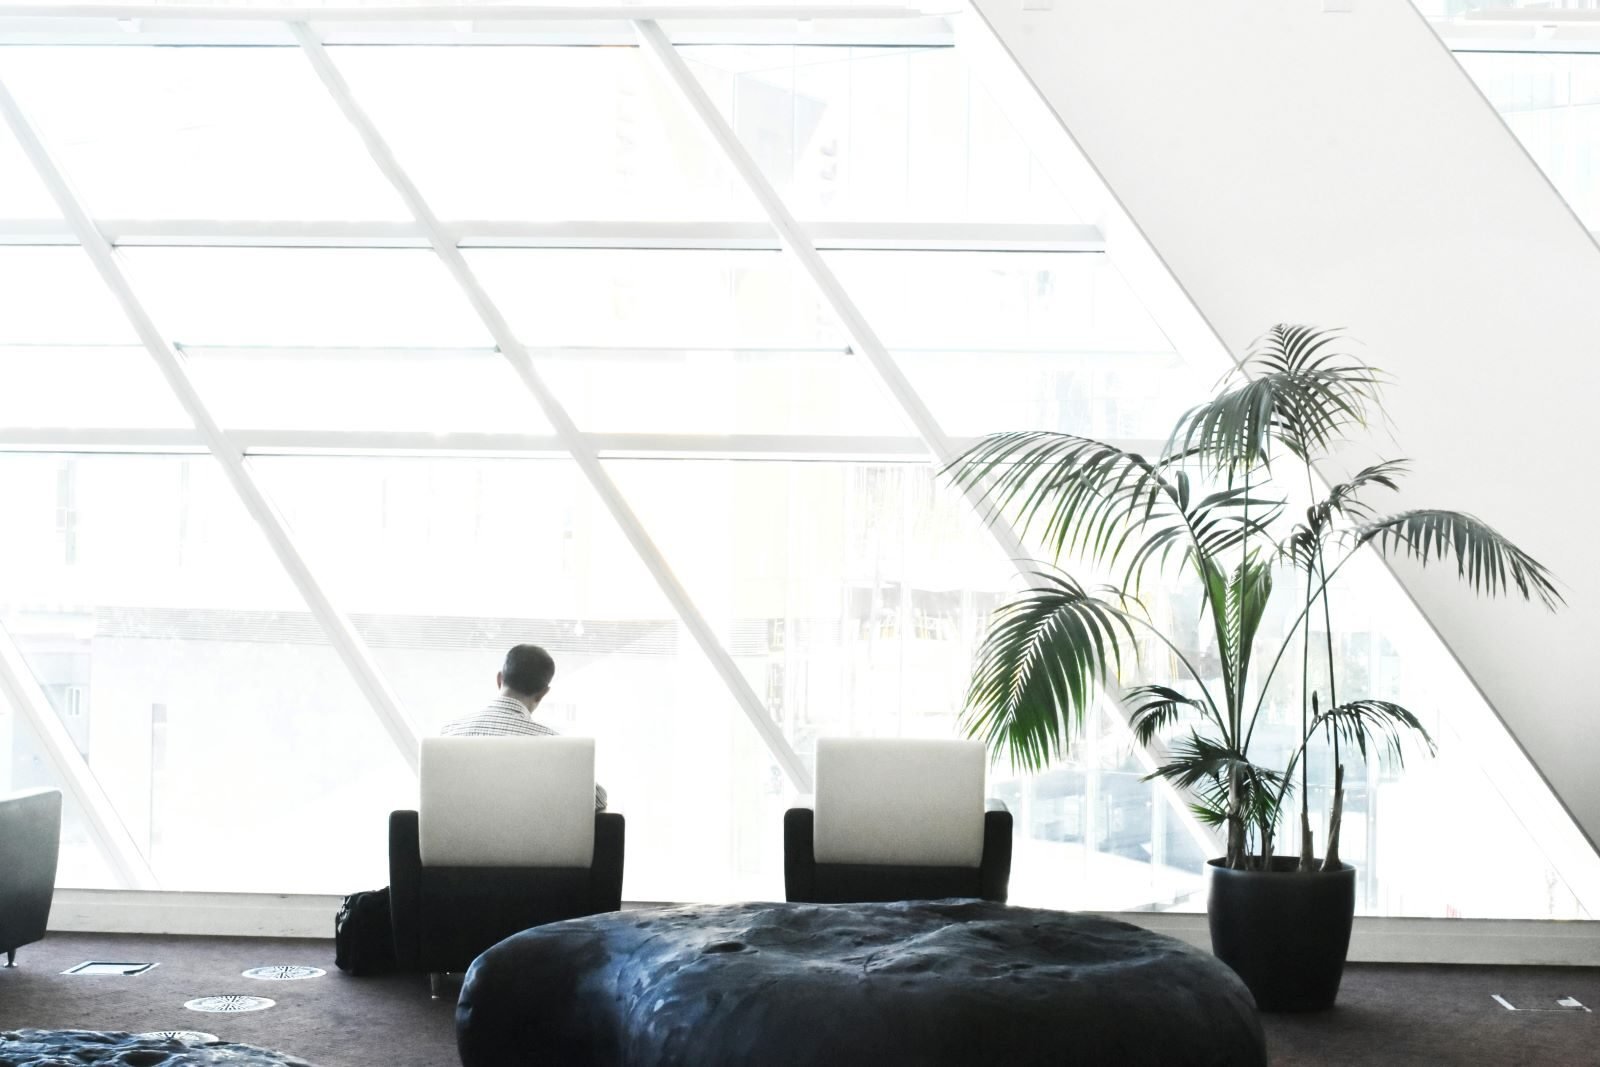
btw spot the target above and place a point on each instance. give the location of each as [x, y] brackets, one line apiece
[1291, 164]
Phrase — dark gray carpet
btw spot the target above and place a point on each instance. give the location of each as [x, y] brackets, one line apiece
[1387, 1014]
[1435, 1015]
[333, 1021]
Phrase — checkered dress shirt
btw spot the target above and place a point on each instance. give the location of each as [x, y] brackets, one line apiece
[505, 717]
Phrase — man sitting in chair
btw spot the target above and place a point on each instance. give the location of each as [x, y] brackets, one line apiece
[523, 682]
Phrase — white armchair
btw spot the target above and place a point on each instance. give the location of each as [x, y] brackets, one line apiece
[506, 837]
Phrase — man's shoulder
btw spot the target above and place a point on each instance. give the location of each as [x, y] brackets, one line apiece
[494, 721]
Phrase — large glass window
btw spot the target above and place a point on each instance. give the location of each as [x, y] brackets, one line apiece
[748, 436]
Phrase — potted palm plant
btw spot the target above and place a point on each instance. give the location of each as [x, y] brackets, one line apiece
[1215, 507]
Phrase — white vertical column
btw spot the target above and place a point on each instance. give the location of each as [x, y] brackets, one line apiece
[346, 642]
[20, 689]
[798, 243]
[576, 444]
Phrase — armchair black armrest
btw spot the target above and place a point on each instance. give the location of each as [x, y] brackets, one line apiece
[405, 889]
[606, 873]
[799, 855]
[995, 869]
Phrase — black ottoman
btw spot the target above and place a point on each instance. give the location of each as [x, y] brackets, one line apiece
[924, 983]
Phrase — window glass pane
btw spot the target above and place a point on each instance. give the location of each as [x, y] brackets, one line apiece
[1058, 341]
[876, 133]
[89, 387]
[22, 195]
[702, 391]
[53, 296]
[1552, 103]
[364, 389]
[544, 133]
[298, 296]
[447, 563]
[219, 721]
[231, 133]
[674, 299]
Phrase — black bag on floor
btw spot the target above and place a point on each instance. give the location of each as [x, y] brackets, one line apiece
[363, 941]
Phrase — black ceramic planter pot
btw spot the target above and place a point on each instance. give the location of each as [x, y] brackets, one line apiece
[1285, 933]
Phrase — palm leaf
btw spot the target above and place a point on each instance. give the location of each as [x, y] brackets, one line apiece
[1300, 548]
[1078, 494]
[1378, 721]
[1297, 392]
[1485, 559]
[1155, 708]
[1205, 768]
[1040, 668]
[1104, 504]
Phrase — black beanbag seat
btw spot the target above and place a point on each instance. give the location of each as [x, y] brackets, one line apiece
[924, 983]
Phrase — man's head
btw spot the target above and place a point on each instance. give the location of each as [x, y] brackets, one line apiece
[526, 674]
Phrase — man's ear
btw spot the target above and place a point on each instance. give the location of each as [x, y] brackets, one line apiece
[499, 679]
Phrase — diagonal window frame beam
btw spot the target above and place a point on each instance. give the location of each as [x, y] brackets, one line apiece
[798, 243]
[22, 691]
[577, 446]
[347, 643]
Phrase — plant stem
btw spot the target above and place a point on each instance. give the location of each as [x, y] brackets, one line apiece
[1307, 856]
[1307, 848]
[1330, 861]
[1236, 709]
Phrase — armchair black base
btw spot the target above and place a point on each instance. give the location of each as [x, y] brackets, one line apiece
[443, 917]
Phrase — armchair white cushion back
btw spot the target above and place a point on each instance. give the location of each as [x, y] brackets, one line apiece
[507, 802]
[899, 802]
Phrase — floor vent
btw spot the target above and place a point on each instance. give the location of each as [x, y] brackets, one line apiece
[284, 972]
[229, 1003]
[1561, 1004]
[120, 970]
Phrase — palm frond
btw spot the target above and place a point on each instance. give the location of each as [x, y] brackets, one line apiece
[1486, 560]
[1041, 666]
[1345, 498]
[1196, 759]
[1206, 768]
[1097, 501]
[1296, 391]
[1077, 494]
[1156, 707]
[1301, 546]
[1381, 722]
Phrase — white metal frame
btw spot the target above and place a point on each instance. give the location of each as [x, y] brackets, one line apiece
[290, 26]
[341, 634]
[21, 690]
[457, 13]
[578, 447]
[709, 235]
[479, 445]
